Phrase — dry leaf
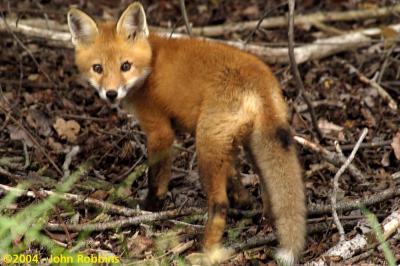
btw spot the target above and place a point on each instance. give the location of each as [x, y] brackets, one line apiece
[396, 145]
[17, 133]
[39, 121]
[33, 77]
[138, 244]
[389, 35]
[328, 127]
[67, 129]
[55, 146]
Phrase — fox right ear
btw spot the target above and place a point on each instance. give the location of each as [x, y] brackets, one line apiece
[133, 21]
[82, 27]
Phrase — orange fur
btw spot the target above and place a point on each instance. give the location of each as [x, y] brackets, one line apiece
[223, 95]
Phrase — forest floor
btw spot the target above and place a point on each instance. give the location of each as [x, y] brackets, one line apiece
[46, 112]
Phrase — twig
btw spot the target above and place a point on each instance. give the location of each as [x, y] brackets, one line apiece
[260, 241]
[332, 157]
[329, 29]
[360, 257]
[301, 19]
[385, 63]
[347, 205]
[295, 70]
[185, 17]
[336, 184]
[26, 153]
[381, 91]
[124, 222]
[76, 199]
[303, 107]
[344, 205]
[316, 50]
[257, 27]
[363, 145]
[68, 159]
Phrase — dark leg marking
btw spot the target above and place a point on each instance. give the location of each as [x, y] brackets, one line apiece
[285, 137]
[219, 209]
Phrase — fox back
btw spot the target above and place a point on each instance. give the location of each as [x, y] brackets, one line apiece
[224, 96]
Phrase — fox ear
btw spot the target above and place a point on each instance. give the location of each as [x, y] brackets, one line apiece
[82, 27]
[133, 22]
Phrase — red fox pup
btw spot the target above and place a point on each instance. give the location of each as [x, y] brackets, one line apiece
[224, 96]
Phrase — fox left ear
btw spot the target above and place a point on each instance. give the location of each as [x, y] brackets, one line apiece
[82, 27]
[133, 22]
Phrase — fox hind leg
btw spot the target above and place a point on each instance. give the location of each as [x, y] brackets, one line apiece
[215, 148]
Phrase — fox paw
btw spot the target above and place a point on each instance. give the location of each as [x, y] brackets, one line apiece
[152, 204]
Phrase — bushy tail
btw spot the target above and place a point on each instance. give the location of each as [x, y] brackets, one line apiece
[278, 166]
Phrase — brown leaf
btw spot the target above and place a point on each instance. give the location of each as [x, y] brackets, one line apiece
[329, 128]
[55, 146]
[40, 96]
[99, 194]
[396, 145]
[17, 133]
[39, 121]
[67, 129]
[389, 35]
[137, 244]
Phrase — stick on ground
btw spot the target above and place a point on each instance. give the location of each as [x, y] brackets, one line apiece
[336, 184]
[295, 70]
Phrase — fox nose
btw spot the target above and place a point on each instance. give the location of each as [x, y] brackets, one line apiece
[112, 95]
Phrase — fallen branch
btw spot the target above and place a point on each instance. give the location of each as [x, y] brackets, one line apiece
[348, 205]
[124, 222]
[332, 157]
[316, 50]
[300, 20]
[80, 199]
[336, 183]
[344, 205]
[347, 249]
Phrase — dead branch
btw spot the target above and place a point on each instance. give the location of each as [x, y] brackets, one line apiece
[347, 205]
[381, 91]
[124, 222]
[76, 199]
[373, 144]
[316, 50]
[275, 22]
[262, 241]
[332, 157]
[361, 242]
[344, 205]
[295, 70]
[336, 183]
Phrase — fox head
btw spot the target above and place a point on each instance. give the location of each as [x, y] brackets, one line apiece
[113, 57]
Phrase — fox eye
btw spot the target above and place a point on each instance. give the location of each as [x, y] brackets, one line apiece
[125, 66]
[97, 68]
